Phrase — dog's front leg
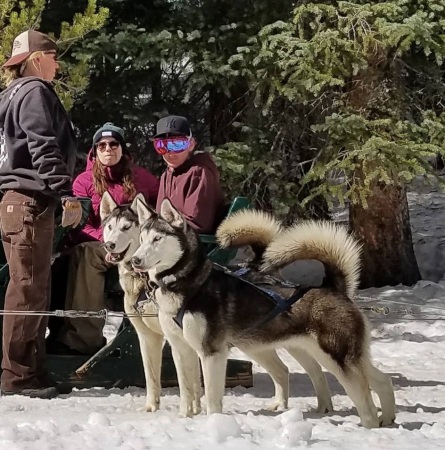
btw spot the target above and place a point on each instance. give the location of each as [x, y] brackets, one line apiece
[151, 344]
[151, 349]
[186, 361]
[196, 379]
[214, 371]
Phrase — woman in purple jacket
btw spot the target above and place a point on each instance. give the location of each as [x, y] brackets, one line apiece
[109, 168]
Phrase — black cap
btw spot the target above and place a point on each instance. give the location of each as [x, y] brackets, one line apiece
[172, 125]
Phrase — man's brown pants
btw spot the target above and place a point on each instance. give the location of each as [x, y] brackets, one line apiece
[27, 228]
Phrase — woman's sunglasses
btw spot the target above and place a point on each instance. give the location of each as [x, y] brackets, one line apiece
[102, 146]
[176, 144]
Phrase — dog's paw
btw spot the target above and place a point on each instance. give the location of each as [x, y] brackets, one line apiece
[324, 408]
[370, 422]
[185, 413]
[277, 406]
[152, 405]
[197, 408]
[386, 421]
[186, 409]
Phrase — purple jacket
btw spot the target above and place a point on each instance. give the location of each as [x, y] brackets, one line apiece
[83, 186]
[194, 189]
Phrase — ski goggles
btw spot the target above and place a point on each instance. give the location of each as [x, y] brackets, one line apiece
[175, 144]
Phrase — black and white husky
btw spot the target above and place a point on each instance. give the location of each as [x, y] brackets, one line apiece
[323, 328]
[121, 240]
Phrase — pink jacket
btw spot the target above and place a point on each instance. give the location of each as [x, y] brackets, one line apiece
[83, 186]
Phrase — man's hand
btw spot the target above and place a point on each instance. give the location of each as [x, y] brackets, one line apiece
[72, 212]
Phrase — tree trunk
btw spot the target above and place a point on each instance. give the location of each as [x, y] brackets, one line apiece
[384, 229]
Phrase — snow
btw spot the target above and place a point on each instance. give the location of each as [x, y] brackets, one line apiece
[410, 347]
[412, 352]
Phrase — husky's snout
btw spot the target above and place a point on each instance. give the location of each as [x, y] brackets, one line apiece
[113, 256]
[136, 262]
[110, 246]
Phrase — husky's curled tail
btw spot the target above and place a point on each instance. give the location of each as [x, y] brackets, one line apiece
[275, 247]
[324, 241]
[253, 228]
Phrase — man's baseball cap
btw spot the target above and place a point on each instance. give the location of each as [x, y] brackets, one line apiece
[172, 125]
[28, 42]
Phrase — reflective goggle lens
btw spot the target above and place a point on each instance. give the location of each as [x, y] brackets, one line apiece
[174, 145]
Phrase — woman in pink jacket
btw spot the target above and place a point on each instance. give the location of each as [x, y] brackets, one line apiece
[109, 168]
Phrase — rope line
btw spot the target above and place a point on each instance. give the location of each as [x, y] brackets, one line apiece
[73, 314]
[105, 314]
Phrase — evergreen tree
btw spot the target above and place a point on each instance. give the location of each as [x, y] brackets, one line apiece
[373, 73]
[156, 57]
[303, 103]
[18, 16]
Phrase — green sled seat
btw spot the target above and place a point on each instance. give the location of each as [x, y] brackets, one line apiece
[119, 363]
[216, 254]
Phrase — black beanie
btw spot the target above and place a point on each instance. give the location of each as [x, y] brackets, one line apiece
[110, 130]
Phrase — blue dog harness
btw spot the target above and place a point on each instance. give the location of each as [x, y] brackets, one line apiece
[281, 304]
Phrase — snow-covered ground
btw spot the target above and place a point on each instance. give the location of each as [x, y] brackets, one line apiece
[409, 347]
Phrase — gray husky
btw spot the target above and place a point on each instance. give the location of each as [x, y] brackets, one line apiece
[121, 240]
[218, 310]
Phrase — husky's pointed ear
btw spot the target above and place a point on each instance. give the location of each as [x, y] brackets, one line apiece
[143, 211]
[107, 205]
[170, 214]
[134, 203]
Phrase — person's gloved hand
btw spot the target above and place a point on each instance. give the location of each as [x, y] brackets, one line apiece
[72, 212]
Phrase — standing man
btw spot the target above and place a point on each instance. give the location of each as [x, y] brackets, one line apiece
[191, 181]
[37, 157]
